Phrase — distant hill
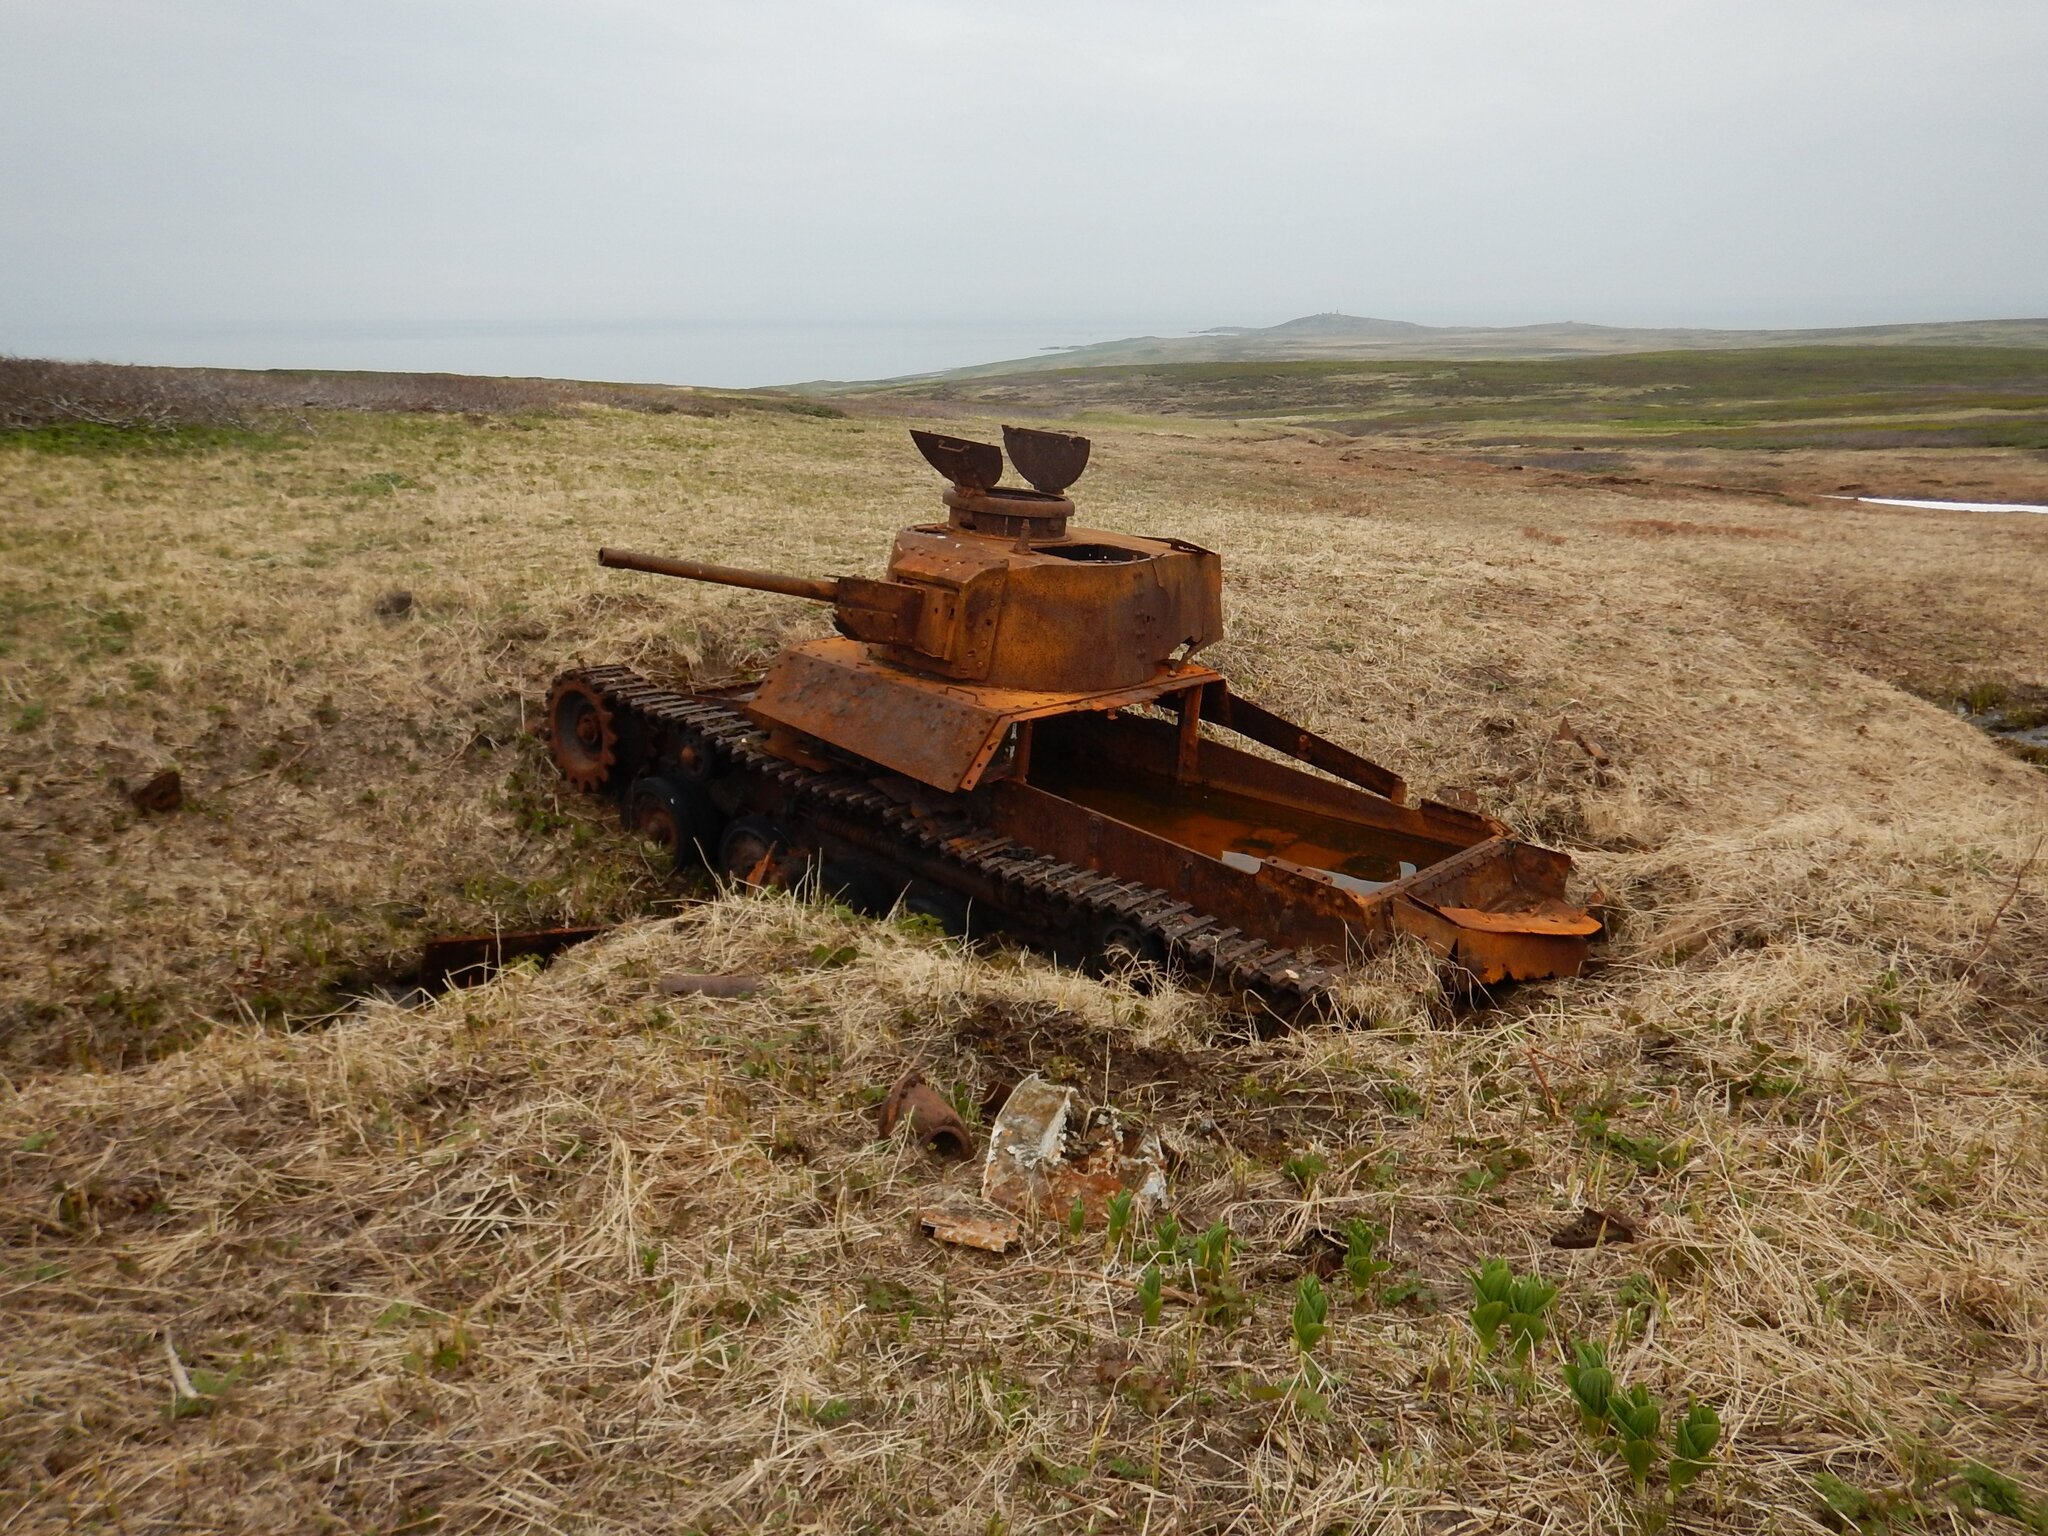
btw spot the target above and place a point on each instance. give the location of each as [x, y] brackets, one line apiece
[1338, 338]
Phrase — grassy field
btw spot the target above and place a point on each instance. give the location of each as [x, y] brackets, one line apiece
[559, 1252]
[1960, 422]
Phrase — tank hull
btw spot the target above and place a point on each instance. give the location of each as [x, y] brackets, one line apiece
[1102, 836]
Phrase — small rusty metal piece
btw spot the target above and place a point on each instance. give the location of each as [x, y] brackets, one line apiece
[992, 1233]
[1049, 461]
[688, 984]
[970, 465]
[163, 794]
[1046, 1156]
[464, 960]
[934, 1122]
[1591, 1228]
[1570, 735]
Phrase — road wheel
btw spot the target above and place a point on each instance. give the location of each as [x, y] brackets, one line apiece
[679, 818]
[750, 849]
[695, 763]
[581, 734]
[865, 887]
[947, 908]
[1122, 948]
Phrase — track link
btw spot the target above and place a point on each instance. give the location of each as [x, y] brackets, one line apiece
[1029, 883]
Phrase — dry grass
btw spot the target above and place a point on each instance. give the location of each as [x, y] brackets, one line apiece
[558, 1253]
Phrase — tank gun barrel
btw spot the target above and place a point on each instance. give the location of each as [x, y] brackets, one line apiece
[817, 589]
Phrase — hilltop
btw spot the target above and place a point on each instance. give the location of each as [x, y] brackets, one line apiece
[1332, 337]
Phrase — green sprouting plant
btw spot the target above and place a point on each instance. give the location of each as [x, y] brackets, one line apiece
[1637, 1419]
[1119, 1213]
[1077, 1219]
[1222, 1302]
[1304, 1168]
[1519, 1303]
[1311, 1313]
[1591, 1385]
[1630, 1423]
[1149, 1287]
[1166, 1238]
[1362, 1264]
[1693, 1442]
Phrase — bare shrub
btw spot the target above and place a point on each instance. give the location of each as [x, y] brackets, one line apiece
[35, 392]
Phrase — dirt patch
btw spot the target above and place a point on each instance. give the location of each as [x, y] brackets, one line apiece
[1017, 1038]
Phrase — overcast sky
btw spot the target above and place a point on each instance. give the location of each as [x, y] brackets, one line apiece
[266, 163]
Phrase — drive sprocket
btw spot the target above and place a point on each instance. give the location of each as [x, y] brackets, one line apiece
[582, 734]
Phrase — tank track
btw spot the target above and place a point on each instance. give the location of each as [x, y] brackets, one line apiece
[1030, 885]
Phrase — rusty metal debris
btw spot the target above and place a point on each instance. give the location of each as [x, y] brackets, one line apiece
[1010, 731]
[933, 1121]
[1047, 1155]
[161, 795]
[687, 984]
[464, 960]
[967, 1229]
[1570, 735]
[1591, 1228]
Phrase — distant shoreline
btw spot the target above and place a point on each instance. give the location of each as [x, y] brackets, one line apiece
[837, 355]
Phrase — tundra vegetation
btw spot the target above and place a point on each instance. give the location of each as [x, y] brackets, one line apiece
[559, 1251]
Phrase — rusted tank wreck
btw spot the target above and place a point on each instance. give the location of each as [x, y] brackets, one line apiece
[1010, 731]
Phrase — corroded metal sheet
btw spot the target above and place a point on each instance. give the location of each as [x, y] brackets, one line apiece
[1047, 1155]
[938, 733]
[977, 466]
[990, 1232]
[1563, 925]
[1050, 461]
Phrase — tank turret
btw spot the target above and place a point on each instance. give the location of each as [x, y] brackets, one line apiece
[1036, 615]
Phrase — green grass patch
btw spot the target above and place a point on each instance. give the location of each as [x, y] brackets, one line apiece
[91, 439]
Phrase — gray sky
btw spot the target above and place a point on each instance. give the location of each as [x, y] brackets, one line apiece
[230, 162]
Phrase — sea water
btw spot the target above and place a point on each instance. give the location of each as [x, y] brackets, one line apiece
[734, 354]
